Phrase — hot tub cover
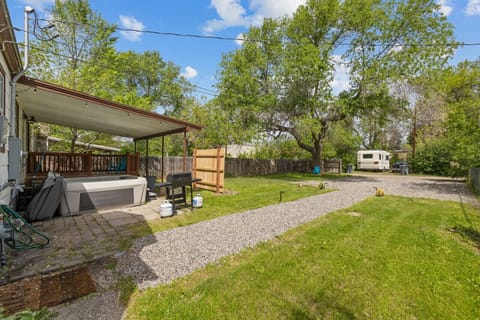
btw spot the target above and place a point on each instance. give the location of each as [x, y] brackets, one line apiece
[46, 202]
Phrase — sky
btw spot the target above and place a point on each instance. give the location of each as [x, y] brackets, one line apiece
[199, 58]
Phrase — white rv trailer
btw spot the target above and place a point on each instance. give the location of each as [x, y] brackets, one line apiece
[376, 160]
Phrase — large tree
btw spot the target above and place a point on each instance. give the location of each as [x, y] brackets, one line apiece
[280, 80]
[461, 87]
[79, 40]
[79, 53]
[150, 77]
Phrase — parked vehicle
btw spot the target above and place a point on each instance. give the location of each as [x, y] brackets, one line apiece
[374, 160]
[397, 166]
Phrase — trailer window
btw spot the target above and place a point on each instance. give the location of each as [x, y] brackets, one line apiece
[379, 156]
[368, 156]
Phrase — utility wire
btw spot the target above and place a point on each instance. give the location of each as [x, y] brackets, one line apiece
[231, 38]
[107, 67]
[54, 39]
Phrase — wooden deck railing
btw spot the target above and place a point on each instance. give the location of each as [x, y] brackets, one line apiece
[81, 164]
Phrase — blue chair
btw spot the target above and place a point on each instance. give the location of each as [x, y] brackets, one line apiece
[316, 170]
[121, 166]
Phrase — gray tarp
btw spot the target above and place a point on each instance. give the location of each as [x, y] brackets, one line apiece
[45, 203]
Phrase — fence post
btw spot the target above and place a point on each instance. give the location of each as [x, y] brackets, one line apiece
[89, 163]
[217, 189]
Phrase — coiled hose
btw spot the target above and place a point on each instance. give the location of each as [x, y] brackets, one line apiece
[23, 232]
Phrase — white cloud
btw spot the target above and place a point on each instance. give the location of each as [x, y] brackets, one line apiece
[341, 78]
[240, 40]
[39, 5]
[473, 8]
[189, 73]
[274, 8]
[131, 23]
[232, 14]
[445, 7]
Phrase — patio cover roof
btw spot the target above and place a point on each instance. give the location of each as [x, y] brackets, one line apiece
[50, 103]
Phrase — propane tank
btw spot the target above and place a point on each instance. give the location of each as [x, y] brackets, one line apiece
[198, 201]
[166, 209]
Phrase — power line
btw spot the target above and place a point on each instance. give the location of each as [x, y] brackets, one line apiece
[243, 39]
[107, 67]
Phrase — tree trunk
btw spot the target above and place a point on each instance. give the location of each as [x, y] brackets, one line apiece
[73, 139]
[317, 155]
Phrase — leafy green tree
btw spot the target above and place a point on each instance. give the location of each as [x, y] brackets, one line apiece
[79, 40]
[219, 126]
[281, 78]
[342, 143]
[434, 157]
[79, 53]
[148, 76]
[462, 89]
[281, 147]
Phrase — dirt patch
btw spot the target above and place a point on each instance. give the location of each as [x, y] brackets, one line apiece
[353, 214]
[227, 193]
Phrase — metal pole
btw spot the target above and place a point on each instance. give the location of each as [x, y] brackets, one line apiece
[163, 156]
[184, 151]
[146, 160]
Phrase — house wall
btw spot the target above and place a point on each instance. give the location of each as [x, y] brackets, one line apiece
[5, 111]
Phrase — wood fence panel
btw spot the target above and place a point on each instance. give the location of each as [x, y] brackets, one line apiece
[172, 165]
[474, 178]
[209, 165]
[236, 167]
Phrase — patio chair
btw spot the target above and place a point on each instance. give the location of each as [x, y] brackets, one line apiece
[121, 166]
[151, 187]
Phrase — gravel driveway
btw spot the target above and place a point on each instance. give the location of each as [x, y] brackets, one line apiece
[164, 256]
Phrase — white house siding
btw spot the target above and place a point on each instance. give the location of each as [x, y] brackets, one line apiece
[4, 155]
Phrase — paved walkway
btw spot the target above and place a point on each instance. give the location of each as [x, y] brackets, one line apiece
[78, 239]
[162, 257]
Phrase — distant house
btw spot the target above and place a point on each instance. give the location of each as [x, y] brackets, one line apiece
[83, 145]
[401, 155]
[237, 150]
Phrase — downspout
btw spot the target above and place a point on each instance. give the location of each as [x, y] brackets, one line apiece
[14, 80]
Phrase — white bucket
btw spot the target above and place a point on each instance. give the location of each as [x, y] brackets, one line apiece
[166, 209]
[198, 201]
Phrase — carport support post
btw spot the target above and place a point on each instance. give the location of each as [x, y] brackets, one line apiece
[184, 151]
[163, 156]
[146, 160]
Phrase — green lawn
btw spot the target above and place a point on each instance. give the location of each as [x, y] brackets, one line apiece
[384, 258]
[242, 193]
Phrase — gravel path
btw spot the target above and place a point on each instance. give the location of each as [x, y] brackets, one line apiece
[164, 256]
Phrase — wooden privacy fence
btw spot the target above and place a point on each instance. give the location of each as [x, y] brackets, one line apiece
[172, 165]
[209, 165]
[235, 167]
[332, 166]
[474, 178]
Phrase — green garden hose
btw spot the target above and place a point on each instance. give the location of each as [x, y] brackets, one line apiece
[21, 229]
